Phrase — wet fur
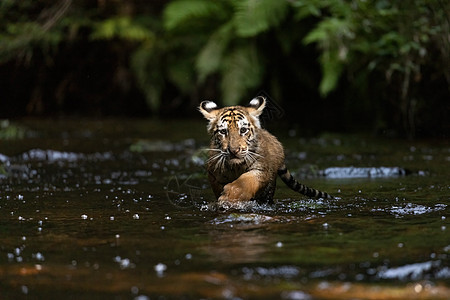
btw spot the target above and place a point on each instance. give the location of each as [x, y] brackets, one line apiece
[245, 159]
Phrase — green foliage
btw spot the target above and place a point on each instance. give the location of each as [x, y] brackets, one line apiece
[10, 131]
[183, 13]
[253, 17]
[211, 55]
[22, 37]
[392, 38]
[146, 66]
[229, 45]
[331, 35]
[121, 27]
[241, 71]
[228, 49]
[21, 40]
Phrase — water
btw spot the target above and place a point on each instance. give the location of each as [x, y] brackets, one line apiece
[122, 209]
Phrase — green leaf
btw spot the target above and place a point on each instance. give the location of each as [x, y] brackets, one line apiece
[178, 13]
[121, 27]
[332, 68]
[304, 9]
[331, 35]
[255, 16]
[242, 71]
[329, 30]
[210, 57]
[180, 73]
[145, 63]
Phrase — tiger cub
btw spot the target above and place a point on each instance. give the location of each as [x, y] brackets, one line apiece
[244, 159]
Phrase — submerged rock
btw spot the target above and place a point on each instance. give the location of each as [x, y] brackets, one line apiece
[50, 155]
[358, 172]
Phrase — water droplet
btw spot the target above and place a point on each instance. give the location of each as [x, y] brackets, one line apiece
[84, 217]
[134, 290]
[160, 269]
[125, 263]
[359, 277]
[279, 245]
[38, 256]
[24, 289]
[188, 256]
[136, 216]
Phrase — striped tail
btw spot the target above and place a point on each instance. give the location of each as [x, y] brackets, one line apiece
[290, 181]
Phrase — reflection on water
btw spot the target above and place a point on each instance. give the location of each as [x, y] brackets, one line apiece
[237, 246]
[124, 210]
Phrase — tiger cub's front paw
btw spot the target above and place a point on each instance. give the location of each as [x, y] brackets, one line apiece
[234, 196]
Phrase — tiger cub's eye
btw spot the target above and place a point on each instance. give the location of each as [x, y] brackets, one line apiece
[243, 130]
[223, 131]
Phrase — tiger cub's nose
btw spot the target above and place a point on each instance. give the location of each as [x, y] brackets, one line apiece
[234, 151]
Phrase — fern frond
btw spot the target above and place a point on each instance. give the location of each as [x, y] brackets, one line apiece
[242, 71]
[331, 35]
[304, 9]
[210, 57]
[145, 64]
[255, 16]
[178, 12]
[332, 68]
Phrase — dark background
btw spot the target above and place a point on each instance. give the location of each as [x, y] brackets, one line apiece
[340, 66]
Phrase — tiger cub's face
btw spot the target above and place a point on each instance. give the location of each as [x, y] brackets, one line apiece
[233, 131]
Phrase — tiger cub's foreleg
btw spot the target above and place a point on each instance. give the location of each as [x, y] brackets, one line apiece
[243, 189]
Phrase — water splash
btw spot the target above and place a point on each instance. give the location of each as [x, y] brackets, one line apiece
[415, 271]
[411, 209]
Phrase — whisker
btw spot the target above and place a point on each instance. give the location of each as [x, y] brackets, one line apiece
[254, 153]
[211, 149]
[213, 158]
[220, 163]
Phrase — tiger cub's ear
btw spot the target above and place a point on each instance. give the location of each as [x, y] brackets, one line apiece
[255, 108]
[209, 109]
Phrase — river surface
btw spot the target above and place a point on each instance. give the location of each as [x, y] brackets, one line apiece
[121, 209]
